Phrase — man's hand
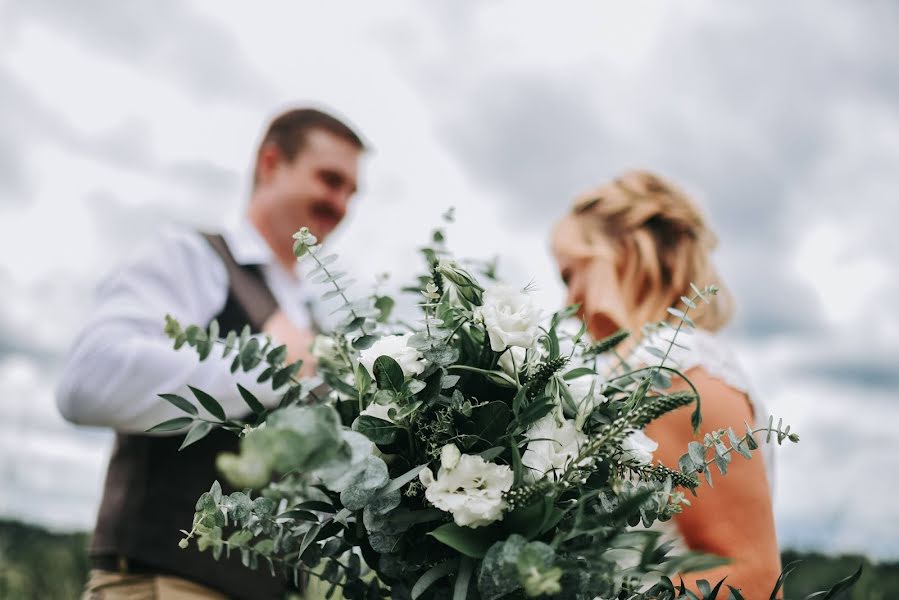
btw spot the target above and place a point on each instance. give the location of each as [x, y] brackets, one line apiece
[297, 339]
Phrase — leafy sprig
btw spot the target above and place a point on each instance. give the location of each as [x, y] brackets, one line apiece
[337, 482]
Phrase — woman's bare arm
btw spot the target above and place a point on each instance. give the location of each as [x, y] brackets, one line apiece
[733, 519]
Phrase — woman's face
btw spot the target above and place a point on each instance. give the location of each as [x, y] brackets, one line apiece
[589, 271]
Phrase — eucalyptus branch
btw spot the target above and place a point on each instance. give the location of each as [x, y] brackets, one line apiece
[782, 434]
[696, 417]
[296, 566]
[329, 278]
[249, 353]
[617, 430]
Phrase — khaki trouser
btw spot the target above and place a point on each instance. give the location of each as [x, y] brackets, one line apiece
[107, 585]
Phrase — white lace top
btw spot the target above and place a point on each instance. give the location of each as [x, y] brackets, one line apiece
[707, 350]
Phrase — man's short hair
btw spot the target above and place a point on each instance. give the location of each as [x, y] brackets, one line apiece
[289, 130]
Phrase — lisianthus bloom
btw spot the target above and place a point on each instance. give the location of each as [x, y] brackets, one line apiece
[509, 316]
[639, 447]
[555, 442]
[468, 487]
[512, 360]
[585, 393]
[324, 347]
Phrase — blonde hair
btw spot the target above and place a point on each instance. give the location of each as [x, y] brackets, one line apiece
[662, 241]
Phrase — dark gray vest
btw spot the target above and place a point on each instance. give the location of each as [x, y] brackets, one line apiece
[151, 487]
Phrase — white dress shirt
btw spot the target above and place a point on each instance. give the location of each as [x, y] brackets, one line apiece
[122, 360]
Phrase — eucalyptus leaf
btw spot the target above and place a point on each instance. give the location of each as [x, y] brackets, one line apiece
[249, 354]
[200, 430]
[181, 403]
[209, 403]
[251, 400]
[171, 425]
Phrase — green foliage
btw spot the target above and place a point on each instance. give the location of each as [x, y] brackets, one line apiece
[469, 542]
[37, 564]
[515, 563]
[425, 466]
[297, 438]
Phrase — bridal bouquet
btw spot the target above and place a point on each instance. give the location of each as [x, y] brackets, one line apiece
[482, 451]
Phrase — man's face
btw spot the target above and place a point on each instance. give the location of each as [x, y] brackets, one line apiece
[311, 191]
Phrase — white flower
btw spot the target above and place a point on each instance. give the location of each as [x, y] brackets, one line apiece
[513, 354]
[585, 400]
[553, 446]
[639, 447]
[380, 411]
[510, 317]
[324, 347]
[468, 487]
[396, 347]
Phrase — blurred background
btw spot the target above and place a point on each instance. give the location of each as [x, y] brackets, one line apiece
[117, 119]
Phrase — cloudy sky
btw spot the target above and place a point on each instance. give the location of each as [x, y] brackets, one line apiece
[782, 118]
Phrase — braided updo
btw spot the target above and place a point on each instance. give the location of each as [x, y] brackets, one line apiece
[661, 239]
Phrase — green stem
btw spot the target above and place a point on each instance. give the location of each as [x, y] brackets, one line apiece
[482, 371]
[337, 287]
[456, 330]
[741, 440]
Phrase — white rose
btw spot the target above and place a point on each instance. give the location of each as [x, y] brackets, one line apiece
[324, 347]
[555, 442]
[394, 346]
[585, 400]
[510, 317]
[514, 355]
[639, 447]
[468, 487]
[380, 411]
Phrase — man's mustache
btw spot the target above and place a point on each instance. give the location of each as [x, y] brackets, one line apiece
[326, 210]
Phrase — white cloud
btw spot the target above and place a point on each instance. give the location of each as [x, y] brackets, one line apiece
[847, 276]
[51, 473]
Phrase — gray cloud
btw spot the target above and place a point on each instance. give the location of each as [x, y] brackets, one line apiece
[775, 115]
[164, 36]
[25, 120]
[536, 142]
[14, 187]
[39, 320]
[213, 180]
[842, 518]
[737, 103]
[864, 371]
[127, 146]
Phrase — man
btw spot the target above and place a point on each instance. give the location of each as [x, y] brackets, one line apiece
[305, 174]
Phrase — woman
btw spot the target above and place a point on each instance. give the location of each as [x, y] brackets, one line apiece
[627, 252]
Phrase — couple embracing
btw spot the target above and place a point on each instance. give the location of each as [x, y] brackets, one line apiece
[627, 251]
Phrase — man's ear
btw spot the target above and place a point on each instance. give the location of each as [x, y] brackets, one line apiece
[267, 163]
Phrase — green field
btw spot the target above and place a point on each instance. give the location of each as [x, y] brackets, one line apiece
[38, 564]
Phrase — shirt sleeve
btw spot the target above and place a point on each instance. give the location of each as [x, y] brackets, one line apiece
[123, 360]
